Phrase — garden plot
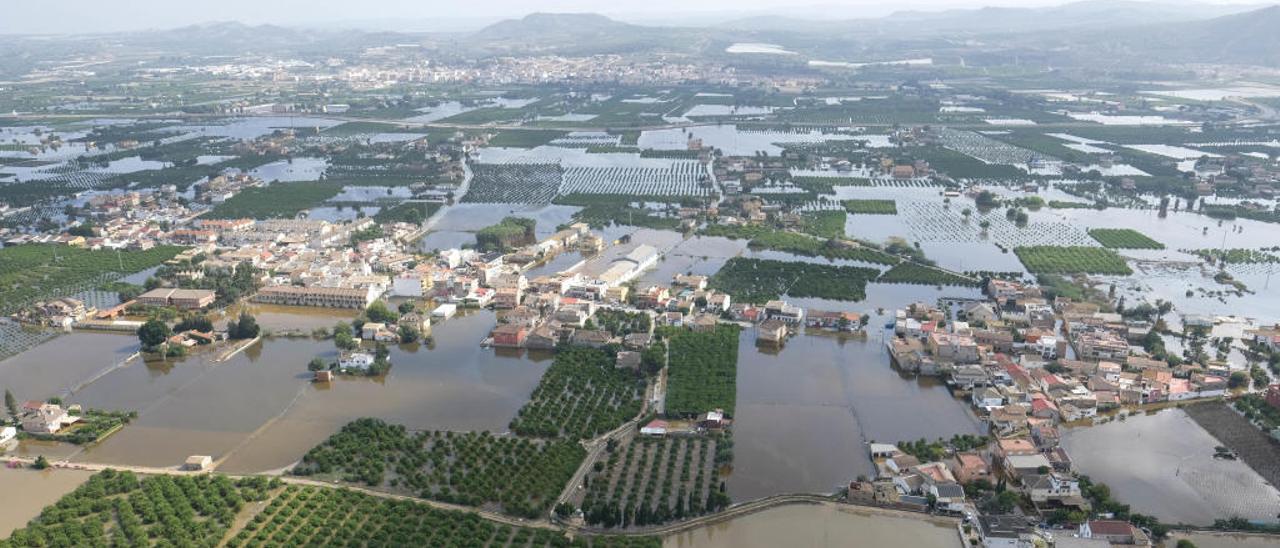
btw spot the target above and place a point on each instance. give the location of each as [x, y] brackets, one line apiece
[1009, 121]
[737, 142]
[514, 183]
[986, 149]
[584, 139]
[1087, 148]
[932, 222]
[726, 110]
[1073, 139]
[677, 178]
[1054, 169]
[575, 171]
[568, 118]
[1171, 151]
[1117, 120]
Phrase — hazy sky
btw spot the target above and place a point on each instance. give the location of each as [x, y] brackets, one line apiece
[78, 16]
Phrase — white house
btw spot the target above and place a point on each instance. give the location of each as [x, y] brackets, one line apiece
[445, 311]
[355, 360]
[7, 433]
[988, 398]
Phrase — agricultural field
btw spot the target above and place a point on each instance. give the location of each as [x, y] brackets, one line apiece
[800, 244]
[407, 212]
[760, 280]
[582, 395]
[823, 224]
[763, 237]
[826, 185]
[986, 149]
[277, 201]
[525, 138]
[912, 273]
[514, 183]
[871, 207]
[120, 509]
[651, 481]
[510, 233]
[515, 475]
[1124, 238]
[702, 372]
[1046, 259]
[601, 210]
[315, 516]
[620, 322]
[29, 273]
[1236, 256]
[677, 178]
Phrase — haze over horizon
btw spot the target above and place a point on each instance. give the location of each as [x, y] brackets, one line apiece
[85, 16]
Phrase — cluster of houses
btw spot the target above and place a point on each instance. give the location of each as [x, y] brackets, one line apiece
[1017, 355]
[1028, 365]
[1032, 463]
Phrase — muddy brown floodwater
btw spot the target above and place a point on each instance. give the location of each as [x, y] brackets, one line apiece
[24, 492]
[60, 364]
[824, 526]
[259, 411]
[804, 414]
[1162, 464]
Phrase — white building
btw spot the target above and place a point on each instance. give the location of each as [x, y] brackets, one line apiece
[355, 360]
[445, 311]
[7, 433]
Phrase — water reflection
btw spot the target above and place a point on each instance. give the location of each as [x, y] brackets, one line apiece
[804, 413]
[819, 526]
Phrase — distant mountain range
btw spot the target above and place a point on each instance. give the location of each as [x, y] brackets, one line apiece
[1113, 32]
[998, 20]
[1244, 38]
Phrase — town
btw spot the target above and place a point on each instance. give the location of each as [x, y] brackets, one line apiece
[569, 280]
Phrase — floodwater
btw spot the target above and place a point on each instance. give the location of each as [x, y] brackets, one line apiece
[258, 410]
[293, 170]
[803, 526]
[1224, 540]
[804, 414]
[1162, 465]
[59, 365]
[457, 225]
[27, 492]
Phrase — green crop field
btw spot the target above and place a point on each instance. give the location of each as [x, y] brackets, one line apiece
[519, 475]
[278, 201]
[30, 273]
[912, 273]
[581, 396]
[1124, 238]
[703, 371]
[871, 207]
[1072, 260]
[759, 280]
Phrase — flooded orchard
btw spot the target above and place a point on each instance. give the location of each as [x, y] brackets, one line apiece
[1163, 464]
[809, 526]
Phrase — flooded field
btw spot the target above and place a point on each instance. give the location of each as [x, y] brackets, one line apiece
[61, 364]
[258, 410]
[1162, 464]
[456, 227]
[819, 526]
[804, 414]
[1225, 540]
[26, 492]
